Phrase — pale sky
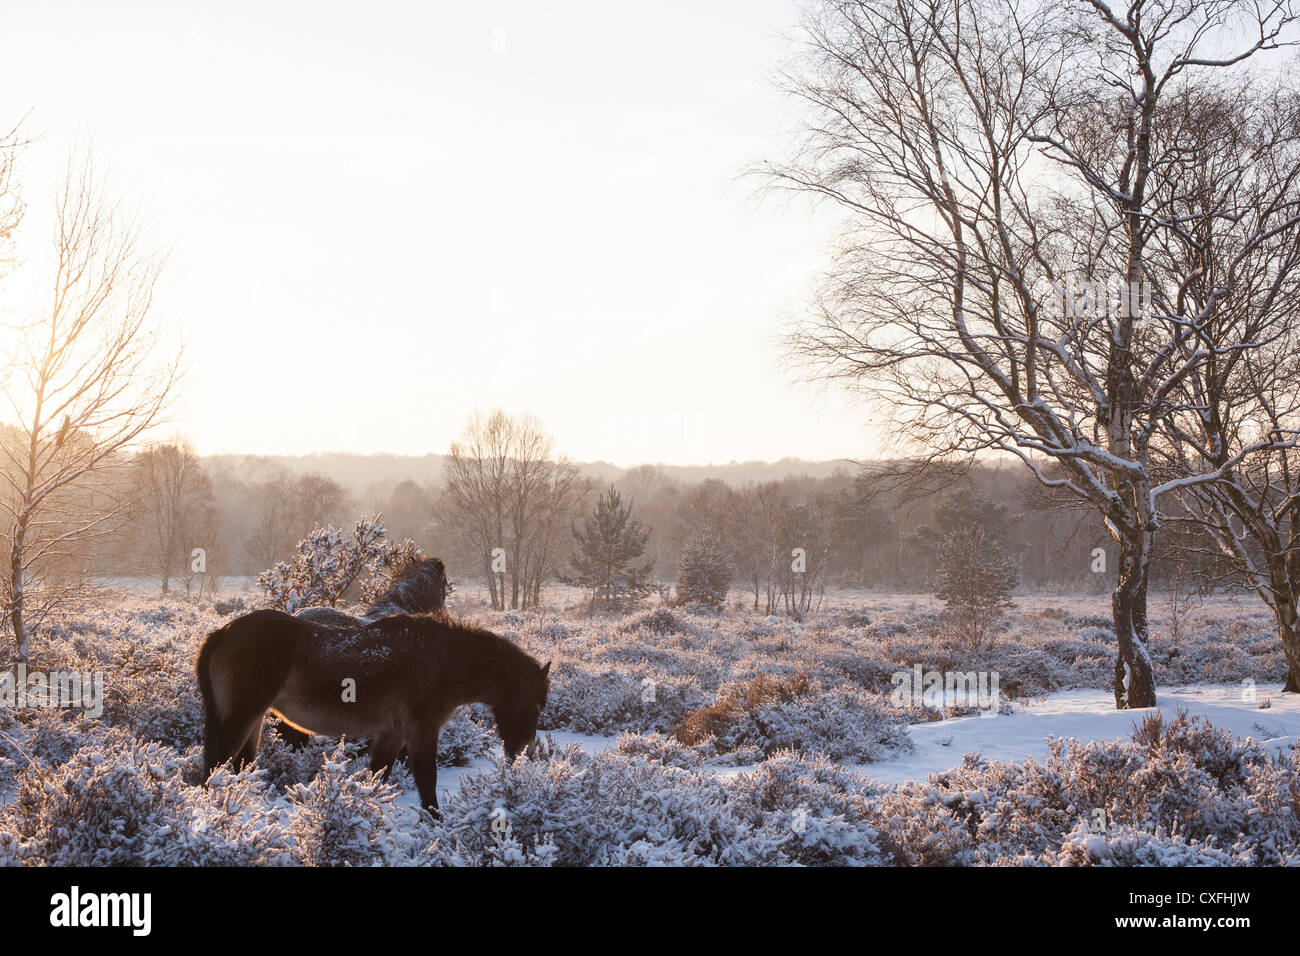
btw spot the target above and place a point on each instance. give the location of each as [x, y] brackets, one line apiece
[383, 216]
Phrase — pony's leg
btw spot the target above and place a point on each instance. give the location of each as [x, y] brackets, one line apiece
[248, 752]
[221, 742]
[383, 750]
[292, 736]
[229, 740]
[423, 763]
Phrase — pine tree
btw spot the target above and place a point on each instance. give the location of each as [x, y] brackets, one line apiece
[975, 571]
[704, 574]
[609, 541]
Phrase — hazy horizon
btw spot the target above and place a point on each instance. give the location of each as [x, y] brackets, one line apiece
[367, 474]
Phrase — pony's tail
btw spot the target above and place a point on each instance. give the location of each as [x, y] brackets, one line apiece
[247, 661]
[203, 671]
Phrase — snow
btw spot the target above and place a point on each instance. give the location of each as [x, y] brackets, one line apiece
[672, 778]
[1085, 715]
[449, 777]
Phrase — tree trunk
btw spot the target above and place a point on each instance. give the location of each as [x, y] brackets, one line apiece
[16, 591]
[1134, 683]
[1289, 632]
[492, 587]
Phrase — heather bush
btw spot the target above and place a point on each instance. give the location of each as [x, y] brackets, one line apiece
[340, 817]
[285, 765]
[659, 748]
[127, 804]
[1125, 846]
[608, 809]
[464, 739]
[769, 713]
[660, 620]
[1181, 782]
[608, 701]
[798, 700]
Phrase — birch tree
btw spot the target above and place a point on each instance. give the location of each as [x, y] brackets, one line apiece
[1242, 235]
[88, 383]
[1006, 169]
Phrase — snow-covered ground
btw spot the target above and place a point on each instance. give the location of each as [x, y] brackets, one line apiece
[1085, 715]
[682, 736]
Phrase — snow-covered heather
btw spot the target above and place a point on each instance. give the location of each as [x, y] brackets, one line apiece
[686, 737]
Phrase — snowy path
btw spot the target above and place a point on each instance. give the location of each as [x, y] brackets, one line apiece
[1082, 714]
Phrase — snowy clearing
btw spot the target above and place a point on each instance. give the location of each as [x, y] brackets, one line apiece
[1084, 715]
[682, 737]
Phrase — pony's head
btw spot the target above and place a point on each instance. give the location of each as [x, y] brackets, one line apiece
[517, 716]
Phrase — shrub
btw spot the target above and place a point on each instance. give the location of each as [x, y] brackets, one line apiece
[588, 701]
[658, 748]
[128, 805]
[1126, 846]
[734, 702]
[340, 816]
[657, 621]
[326, 564]
[769, 714]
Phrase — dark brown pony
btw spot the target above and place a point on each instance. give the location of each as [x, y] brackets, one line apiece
[396, 680]
[420, 589]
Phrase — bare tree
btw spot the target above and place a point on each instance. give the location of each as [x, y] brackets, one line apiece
[88, 384]
[319, 501]
[1247, 143]
[1008, 174]
[780, 538]
[559, 492]
[174, 511]
[657, 497]
[272, 532]
[11, 204]
[809, 543]
[755, 541]
[408, 511]
[508, 502]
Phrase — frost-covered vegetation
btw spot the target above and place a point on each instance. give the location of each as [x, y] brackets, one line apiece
[732, 739]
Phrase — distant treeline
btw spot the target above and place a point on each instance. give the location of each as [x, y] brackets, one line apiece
[861, 526]
[856, 529]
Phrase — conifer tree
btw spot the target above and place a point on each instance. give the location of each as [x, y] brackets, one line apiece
[609, 541]
[704, 574]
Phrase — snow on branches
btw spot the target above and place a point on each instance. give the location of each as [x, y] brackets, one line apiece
[328, 562]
